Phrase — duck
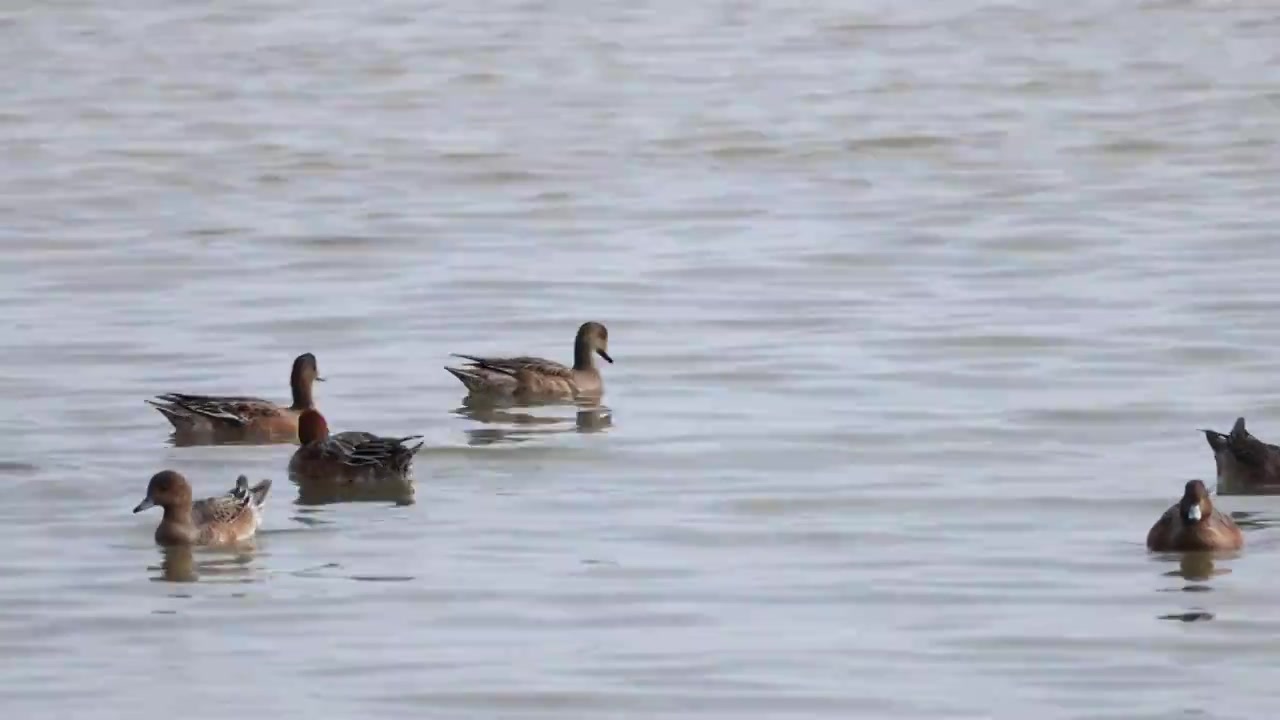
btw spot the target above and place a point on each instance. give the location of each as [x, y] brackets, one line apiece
[1243, 461]
[1193, 524]
[537, 378]
[352, 459]
[227, 418]
[221, 520]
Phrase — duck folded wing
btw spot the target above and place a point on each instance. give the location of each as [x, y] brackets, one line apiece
[207, 508]
[516, 365]
[237, 410]
[387, 452]
[227, 508]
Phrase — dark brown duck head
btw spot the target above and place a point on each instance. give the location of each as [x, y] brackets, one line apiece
[1195, 505]
[593, 337]
[301, 378]
[312, 427]
[169, 490]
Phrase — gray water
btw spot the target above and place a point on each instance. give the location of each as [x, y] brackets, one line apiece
[916, 309]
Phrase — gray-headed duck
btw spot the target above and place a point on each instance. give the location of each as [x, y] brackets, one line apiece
[538, 378]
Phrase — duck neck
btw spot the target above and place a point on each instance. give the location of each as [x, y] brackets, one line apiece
[583, 356]
[177, 527]
[301, 394]
[178, 514]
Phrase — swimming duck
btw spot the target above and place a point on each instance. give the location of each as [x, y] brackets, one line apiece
[224, 519]
[1194, 524]
[538, 378]
[349, 458]
[1244, 462]
[231, 418]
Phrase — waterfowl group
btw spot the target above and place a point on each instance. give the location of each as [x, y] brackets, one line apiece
[357, 464]
[350, 465]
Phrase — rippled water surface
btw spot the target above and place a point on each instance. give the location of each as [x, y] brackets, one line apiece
[916, 309]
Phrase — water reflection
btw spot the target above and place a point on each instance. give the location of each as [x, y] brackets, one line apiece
[180, 438]
[313, 492]
[179, 564]
[1197, 569]
[530, 419]
[1249, 519]
[1228, 485]
[1190, 616]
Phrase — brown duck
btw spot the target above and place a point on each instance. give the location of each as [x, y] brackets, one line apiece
[1194, 524]
[225, 519]
[350, 458]
[226, 418]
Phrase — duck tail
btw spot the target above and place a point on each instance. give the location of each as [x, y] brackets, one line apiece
[259, 492]
[1238, 431]
[177, 415]
[402, 458]
[471, 380]
[1217, 441]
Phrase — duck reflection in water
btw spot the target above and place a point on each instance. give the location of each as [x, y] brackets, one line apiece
[332, 493]
[178, 563]
[1197, 569]
[529, 420]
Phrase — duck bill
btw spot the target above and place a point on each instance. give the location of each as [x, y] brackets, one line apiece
[605, 355]
[146, 504]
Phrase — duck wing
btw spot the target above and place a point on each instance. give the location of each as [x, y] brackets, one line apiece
[236, 410]
[513, 366]
[391, 453]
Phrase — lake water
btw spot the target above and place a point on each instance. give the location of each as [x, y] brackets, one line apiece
[916, 308]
